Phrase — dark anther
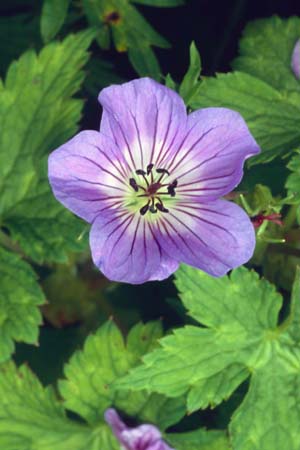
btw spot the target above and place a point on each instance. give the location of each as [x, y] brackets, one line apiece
[152, 209]
[171, 191]
[161, 208]
[171, 188]
[174, 184]
[144, 209]
[140, 172]
[133, 184]
[149, 168]
[113, 17]
[162, 171]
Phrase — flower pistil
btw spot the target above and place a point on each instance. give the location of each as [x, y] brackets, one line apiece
[151, 184]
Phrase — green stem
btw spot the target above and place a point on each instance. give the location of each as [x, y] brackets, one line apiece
[291, 217]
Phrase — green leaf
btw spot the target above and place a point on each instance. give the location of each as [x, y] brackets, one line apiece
[190, 82]
[32, 418]
[42, 228]
[199, 440]
[272, 116]
[87, 389]
[53, 15]
[170, 83]
[239, 336]
[144, 61]
[293, 184]
[38, 114]
[20, 296]
[266, 51]
[293, 180]
[160, 3]
[279, 374]
[130, 32]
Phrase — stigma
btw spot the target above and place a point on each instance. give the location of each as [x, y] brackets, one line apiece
[151, 186]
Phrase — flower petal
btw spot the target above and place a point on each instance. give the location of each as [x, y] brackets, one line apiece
[125, 248]
[143, 437]
[214, 237]
[86, 176]
[295, 63]
[144, 118]
[210, 161]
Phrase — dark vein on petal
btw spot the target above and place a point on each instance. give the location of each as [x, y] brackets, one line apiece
[121, 234]
[155, 133]
[212, 188]
[111, 206]
[180, 145]
[188, 228]
[179, 235]
[161, 156]
[192, 148]
[139, 138]
[207, 222]
[209, 179]
[155, 239]
[122, 181]
[120, 170]
[116, 218]
[134, 235]
[206, 161]
[186, 204]
[124, 137]
[98, 184]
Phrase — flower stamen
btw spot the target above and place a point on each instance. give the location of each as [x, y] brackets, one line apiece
[151, 189]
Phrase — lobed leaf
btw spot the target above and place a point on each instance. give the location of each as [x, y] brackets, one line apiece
[239, 336]
[38, 114]
[89, 374]
[199, 440]
[32, 418]
[266, 51]
[20, 296]
[130, 32]
[272, 116]
[190, 82]
[293, 183]
[54, 13]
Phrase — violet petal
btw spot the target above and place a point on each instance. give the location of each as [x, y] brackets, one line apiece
[295, 62]
[143, 437]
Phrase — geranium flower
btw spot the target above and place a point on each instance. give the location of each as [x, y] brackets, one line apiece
[150, 181]
[295, 63]
[143, 437]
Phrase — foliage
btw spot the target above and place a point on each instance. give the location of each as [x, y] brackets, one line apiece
[239, 337]
[213, 363]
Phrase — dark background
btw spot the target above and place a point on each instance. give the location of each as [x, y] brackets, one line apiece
[215, 25]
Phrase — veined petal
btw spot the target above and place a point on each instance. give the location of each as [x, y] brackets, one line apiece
[146, 120]
[125, 248]
[295, 63]
[214, 237]
[86, 176]
[210, 161]
[142, 437]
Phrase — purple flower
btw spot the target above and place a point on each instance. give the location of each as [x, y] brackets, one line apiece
[144, 437]
[150, 181]
[296, 59]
